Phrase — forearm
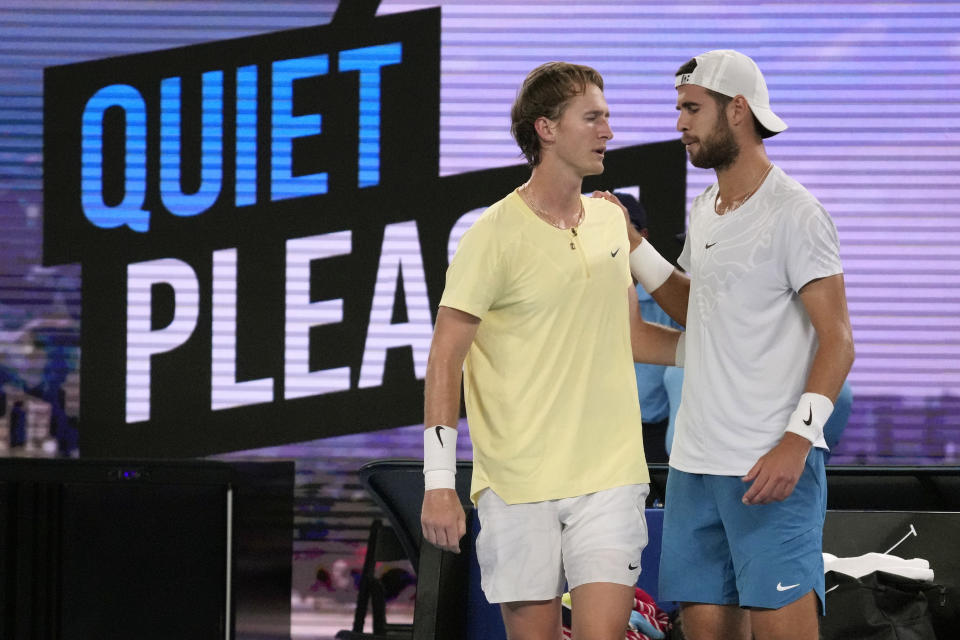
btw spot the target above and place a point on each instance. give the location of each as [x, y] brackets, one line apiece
[826, 304]
[442, 392]
[673, 296]
[831, 364]
[668, 286]
[440, 417]
[442, 516]
[654, 343]
[452, 337]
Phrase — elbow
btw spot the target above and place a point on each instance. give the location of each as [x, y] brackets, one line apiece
[640, 342]
[848, 350]
[838, 350]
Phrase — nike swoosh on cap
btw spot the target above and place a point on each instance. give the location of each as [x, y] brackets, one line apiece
[780, 587]
[632, 567]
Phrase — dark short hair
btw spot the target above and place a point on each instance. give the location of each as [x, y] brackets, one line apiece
[545, 92]
[723, 100]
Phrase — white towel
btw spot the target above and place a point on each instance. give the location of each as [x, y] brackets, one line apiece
[916, 568]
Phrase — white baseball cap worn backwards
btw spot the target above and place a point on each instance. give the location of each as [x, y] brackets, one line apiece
[731, 73]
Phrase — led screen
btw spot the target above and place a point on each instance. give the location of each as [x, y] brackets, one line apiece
[342, 191]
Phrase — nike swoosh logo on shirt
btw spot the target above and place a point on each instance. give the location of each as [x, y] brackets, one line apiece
[708, 245]
[780, 587]
[613, 254]
[632, 567]
[438, 429]
[809, 417]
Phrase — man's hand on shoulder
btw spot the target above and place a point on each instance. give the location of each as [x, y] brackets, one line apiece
[633, 235]
[442, 519]
[776, 473]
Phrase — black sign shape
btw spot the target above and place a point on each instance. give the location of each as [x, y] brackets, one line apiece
[255, 229]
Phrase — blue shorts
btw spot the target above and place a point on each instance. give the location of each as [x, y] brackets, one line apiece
[717, 550]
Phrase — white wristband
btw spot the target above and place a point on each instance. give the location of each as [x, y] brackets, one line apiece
[811, 414]
[439, 457]
[681, 349]
[648, 267]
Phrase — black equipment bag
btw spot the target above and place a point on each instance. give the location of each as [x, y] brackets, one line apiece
[880, 606]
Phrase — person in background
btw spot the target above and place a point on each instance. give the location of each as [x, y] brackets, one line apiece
[18, 425]
[658, 386]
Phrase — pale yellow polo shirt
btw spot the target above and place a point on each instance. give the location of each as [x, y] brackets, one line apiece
[550, 388]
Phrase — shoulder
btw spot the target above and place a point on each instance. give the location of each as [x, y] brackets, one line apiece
[603, 210]
[497, 219]
[794, 200]
[800, 218]
[496, 234]
[499, 212]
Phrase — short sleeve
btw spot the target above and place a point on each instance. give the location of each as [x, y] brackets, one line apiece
[473, 282]
[812, 246]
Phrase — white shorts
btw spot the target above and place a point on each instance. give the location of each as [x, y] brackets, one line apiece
[527, 550]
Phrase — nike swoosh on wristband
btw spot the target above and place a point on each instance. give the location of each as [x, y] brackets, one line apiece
[708, 245]
[613, 254]
[809, 417]
[438, 429]
[780, 587]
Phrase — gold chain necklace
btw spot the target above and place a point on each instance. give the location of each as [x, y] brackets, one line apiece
[721, 208]
[554, 222]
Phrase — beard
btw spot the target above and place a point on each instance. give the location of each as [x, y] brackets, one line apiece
[719, 150]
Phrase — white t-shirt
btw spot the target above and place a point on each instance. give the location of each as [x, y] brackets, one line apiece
[750, 342]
